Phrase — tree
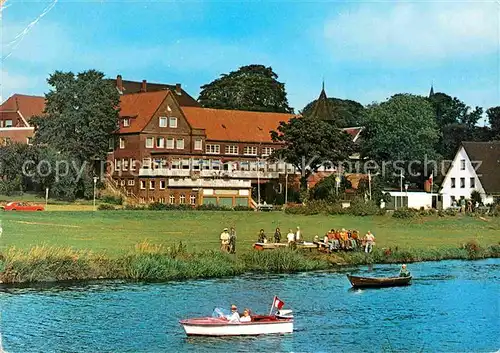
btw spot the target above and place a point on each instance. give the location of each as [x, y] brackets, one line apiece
[310, 143]
[81, 112]
[494, 119]
[326, 189]
[252, 87]
[347, 113]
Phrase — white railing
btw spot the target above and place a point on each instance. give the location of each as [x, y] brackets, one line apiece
[209, 183]
[164, 172]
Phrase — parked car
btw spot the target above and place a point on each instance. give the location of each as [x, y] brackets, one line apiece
[22, 206]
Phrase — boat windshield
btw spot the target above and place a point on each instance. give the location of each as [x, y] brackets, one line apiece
[220, 312]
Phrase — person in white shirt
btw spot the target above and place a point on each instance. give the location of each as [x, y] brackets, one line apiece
[246, 316]
[290, 236]
[370, 241]
[298, 235]
[234, 317]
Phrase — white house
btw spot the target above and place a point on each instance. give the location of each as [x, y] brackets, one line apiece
[410, 199]
[476, 166]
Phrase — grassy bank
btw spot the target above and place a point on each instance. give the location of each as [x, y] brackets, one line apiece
[157, 263]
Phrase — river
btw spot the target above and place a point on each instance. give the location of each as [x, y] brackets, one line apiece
[452, 306]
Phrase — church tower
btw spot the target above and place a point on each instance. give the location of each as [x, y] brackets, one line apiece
[322, 108]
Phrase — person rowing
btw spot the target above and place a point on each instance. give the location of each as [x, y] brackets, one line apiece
[404, 271]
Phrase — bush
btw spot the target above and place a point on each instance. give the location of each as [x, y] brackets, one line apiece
[106, 207]
[111, 199]
[242, 208]
[212, 207]
[157, 206]
[450, 212]
[361, 208]
[405, 213]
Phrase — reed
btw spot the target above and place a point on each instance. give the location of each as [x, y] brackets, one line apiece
[153, 262]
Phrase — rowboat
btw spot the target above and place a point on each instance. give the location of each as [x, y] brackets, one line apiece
[260, 325]
[373, 282]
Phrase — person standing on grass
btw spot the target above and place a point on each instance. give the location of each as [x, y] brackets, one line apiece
[298, 235]
[369, 241]
[262, 237]
[232, 240]
[224, 240]
[277, 235]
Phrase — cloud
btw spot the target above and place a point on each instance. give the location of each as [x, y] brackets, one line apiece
[17, 83]
[414, 31]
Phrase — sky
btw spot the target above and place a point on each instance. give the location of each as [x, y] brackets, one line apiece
[363, 50]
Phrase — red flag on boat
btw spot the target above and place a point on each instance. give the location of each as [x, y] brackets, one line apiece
[278, 303]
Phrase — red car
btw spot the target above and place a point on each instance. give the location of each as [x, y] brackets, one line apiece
[22, 206]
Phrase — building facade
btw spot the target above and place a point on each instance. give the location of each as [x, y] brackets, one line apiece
[15, 115]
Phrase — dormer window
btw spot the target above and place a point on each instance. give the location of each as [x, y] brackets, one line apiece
[173, 122]
[163, 121]
[126, 122]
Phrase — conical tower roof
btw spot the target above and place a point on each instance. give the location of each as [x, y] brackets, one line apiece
[322, 108]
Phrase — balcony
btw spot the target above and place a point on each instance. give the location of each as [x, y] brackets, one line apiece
[209, 183]
[164, 172]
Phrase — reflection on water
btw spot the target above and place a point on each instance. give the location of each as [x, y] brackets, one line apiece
[451, 306]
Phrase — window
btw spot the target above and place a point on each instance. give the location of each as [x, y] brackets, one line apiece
[192, 199]
[176, 163]
[131, 182]
[179, 144]
[212, 149]
[132, 163]
[151, 199]
[111, 142]
[472, 183]
[462, 164]
[149, 142]
[462, 183]
[122, 182]
[126, 122]
[125, 164]
[182, 199]
[163, 121]
[172, 122]
[162, 184]
[146, 163]
[122, 143]
[267, 151]
[231, 149]
[170, 143]
[151, 184]
[29, 141]
[171, 199]
[118, 164]
[452, 183]
[160, 142]
[250, 150]
[198, 144]
[143, 184]
[8, 123]
[161, 200]
[185, 164]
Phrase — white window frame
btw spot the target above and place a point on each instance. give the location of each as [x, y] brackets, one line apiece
[198, 145]
[179, 144]
[182, 199]
[131, 182]
[122, 143]
[212, 149]
[146, 163]
[267, 151]
[122, 182]
[163, 121]
[250, 150]
[152, 185]
[231, 149]
[163, 183]
[7, 124]
[462, 183]
[192, 199]
[462, 164]
[152, 142]
[160, 142]
[132, 163]
[125, 164]
[472, 182]
[143, 185]
[453, 183]
[117, 165]
[126, 122]
[173, 122]
[171, 199]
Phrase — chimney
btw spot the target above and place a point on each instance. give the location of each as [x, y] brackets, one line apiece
[178, 89]
[119, 83]
[143, 86]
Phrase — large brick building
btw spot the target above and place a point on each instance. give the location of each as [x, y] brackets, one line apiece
[15, 115]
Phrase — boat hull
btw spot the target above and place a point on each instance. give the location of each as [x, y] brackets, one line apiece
[372, 282]
[221, 327]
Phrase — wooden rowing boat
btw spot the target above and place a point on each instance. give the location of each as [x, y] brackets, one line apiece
[374, 282]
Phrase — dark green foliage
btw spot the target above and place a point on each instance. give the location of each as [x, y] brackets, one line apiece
[475, 196]
[346, 113]
[106, 207]
[326, 189]
[310, 143]
[157, 206]
[212, 207]
[494, 119]
[404, 213]
[242, 208]
[252, 87]
[359, 207]
[112, 199]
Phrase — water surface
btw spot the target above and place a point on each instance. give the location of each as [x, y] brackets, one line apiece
[452, 306]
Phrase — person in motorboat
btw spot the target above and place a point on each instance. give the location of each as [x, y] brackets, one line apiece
[234, 316]
[404, 271]
[246, 316]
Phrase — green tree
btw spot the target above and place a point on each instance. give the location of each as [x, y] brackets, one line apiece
[402, 128]
[252, 87]
[494, 119]
[346, 113]
[309, 143]
[81, 112]
[326, 189]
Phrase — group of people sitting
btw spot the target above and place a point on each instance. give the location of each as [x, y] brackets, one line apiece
[343, 239]
[291, 237]
[235, 316]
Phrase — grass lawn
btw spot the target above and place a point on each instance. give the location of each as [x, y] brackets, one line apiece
[118, 231]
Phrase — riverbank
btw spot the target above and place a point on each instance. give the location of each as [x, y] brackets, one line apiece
[150, 262]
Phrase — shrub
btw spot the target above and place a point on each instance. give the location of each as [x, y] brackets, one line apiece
[242, 208]
[212, 207]
[157, 206]
[404, 213]
[450, 212]
[111, 199]
[361, 208]
[106, 207]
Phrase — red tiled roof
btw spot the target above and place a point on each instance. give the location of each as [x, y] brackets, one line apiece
[235, 125]
[353, 131]
[28, 105]
[140, 107]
